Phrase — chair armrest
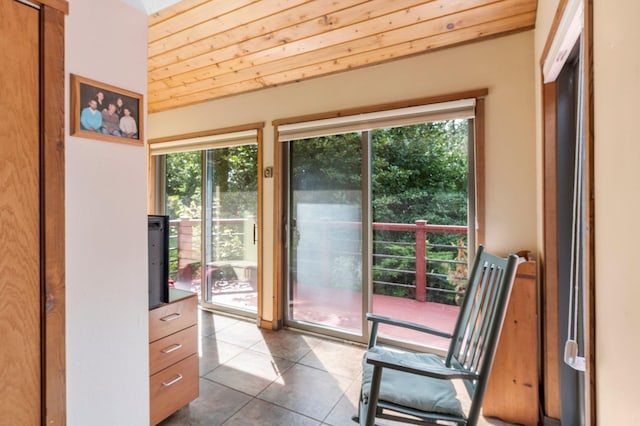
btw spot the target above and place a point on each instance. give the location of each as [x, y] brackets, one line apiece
[406, 324]
[437, 372]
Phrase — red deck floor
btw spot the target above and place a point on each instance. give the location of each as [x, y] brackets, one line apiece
[341, 309]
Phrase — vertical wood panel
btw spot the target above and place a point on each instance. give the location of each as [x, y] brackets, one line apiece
[550, 340]
[20, 358]
[279, 192]
[260, 224]
[480, 172]
[590, 284]
[53, 226]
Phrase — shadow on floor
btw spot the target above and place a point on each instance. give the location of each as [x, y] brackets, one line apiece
[251, 376]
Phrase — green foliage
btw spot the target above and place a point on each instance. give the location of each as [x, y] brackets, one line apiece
[418, 173]
[231, 247]
[389, 267]
[232, 187]
[437, 277]
[234, 178]
[327, 163]
[183, 184]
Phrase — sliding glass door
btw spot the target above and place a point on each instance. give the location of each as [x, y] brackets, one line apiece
[230, 275]
[420, 245]
[325, 238]
[209, 189]
[377, 221]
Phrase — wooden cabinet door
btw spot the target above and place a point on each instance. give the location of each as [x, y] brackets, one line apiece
[20, 263]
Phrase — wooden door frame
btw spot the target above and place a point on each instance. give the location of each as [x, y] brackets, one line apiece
[551, 358]
[52, 165]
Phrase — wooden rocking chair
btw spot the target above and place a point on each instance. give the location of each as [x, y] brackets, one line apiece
[417, 388]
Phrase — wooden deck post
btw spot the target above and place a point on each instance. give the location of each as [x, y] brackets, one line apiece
[421, 265]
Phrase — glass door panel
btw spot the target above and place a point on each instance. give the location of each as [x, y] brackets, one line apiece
[420, 212]
[183, 205]
[230, 232]
[325, 234]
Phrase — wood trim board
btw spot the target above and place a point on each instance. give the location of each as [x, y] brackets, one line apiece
[53, 207]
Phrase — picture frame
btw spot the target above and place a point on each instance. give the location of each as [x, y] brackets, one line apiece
[104, 112]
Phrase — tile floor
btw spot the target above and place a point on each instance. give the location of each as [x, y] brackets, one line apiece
[250, 376]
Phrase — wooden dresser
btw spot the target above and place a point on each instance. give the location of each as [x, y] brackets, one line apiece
[173, 354]
[512, 390]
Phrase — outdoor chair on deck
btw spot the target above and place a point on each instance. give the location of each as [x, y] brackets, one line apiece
[397, 383]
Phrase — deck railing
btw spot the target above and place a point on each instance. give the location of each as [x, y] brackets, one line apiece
[406, 260]
[433, 262]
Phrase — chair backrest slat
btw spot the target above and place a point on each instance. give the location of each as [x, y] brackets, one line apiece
[477, 328]
[479, 322]
[486, 292]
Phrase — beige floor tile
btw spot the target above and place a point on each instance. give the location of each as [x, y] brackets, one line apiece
[214, 353]
[288, 345]
[335, 357]
[262, 413]
[307, 391]
[215, 405]
[209, 324]
[346, 407]
[249, 372]
[242, 333]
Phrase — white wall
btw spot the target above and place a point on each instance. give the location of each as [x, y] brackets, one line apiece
[106, 237]
[503, 65]
[617, 205]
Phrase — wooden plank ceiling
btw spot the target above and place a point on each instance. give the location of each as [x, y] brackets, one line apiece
[205, 49]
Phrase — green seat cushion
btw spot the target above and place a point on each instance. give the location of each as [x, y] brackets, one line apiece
[412, 390]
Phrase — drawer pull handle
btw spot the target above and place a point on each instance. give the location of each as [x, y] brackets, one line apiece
[172, 381]
[171, 317]
[171, 348]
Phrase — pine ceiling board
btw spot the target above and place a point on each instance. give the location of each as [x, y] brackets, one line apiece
[197, 24]
[257, 64]
[333, 62]
[471, 34]
[367, 49]
[318, 25]
[172, 11]
[378, 56]
[247, 86]
[188, 21]
[509, 25]
[325, 36]
[260, 31]
[242, 16]
[261, 27]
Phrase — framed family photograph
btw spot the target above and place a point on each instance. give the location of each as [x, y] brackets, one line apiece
[104, 112]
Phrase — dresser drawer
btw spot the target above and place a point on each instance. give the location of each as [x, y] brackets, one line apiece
[172, 317]
[173, 348]
[173, 388]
